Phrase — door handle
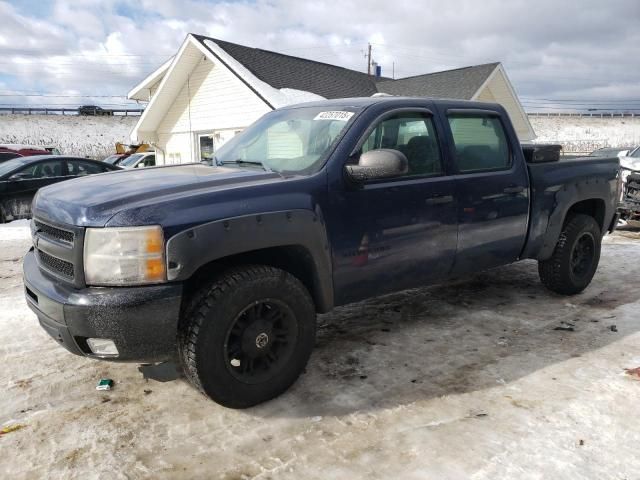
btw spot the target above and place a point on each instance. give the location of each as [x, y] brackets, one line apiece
[439, 200]
[514, 189]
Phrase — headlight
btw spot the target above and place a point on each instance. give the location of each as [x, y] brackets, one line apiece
[124, 256]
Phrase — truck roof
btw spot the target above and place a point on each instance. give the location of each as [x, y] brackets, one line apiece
[368, 101]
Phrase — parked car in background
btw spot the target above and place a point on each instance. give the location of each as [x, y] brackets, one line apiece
[610, 152]
[22, 150]
[139, 160]
[20, 179]
[52, 150]
[116, 158]
[94, 110]
[635, 153]
[124, 151]
[4, 156]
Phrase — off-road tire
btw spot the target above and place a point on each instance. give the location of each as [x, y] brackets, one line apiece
[557, 273]
[208, 319]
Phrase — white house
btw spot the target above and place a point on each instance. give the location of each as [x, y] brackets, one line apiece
[211, 90]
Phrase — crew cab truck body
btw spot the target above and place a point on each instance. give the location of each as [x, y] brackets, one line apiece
[313, 206]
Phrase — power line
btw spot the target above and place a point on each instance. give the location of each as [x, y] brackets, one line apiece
[64, 54]
[75, 64]
[55, 105]
[584, 101]
[636, 109]
[59, 96]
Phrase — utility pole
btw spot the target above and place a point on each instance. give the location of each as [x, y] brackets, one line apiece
[369, 60]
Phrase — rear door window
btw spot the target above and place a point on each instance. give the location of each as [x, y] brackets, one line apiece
[480, 143]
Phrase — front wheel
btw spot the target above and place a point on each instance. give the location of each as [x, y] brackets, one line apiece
[575, 258]
[248, 336]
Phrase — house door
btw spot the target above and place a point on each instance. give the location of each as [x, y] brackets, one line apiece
[209, 143]
[205, 147]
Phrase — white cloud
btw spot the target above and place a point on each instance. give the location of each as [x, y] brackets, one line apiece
[551, 49]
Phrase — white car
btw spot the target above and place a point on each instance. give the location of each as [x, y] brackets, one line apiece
[139, 160]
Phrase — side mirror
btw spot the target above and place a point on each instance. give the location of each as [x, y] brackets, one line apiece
[378, 164]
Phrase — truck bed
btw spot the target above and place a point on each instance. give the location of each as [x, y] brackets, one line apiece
[558, 184]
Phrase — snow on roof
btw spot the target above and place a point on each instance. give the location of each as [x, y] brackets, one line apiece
[275, 97]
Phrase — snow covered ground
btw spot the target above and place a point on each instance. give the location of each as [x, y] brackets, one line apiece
[464, 380]
[585, 134]
[85, 136]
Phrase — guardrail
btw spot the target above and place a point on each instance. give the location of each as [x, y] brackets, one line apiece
[586, 114]
[70, 111]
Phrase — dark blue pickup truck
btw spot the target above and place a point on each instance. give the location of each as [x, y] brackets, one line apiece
[317, 205]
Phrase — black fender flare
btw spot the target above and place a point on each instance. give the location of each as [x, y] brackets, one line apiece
[198, 246]
[565, 199]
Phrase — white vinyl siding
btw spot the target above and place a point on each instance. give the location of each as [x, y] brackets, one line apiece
[283, 142]
[219, 101]
[497, 91]
[176, 147]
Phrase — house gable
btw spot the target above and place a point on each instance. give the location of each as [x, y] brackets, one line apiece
[211, 99]
[498, 89]
[175, 82]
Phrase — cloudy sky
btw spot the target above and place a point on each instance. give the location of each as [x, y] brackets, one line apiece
[559, 54]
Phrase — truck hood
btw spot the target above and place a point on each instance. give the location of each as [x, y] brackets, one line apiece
[92, 201]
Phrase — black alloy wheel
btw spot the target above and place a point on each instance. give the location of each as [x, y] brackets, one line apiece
[260, 340]
[247, 336]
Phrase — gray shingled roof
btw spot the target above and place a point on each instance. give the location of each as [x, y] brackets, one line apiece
[461, 83]
[285, 71]
[331, 81]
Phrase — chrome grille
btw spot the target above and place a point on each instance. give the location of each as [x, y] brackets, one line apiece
[54, 233]
[56, 265]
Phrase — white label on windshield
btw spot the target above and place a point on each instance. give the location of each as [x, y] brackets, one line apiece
[334, 115]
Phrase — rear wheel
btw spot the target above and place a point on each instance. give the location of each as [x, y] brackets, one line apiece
[248, 336]
[575, 258]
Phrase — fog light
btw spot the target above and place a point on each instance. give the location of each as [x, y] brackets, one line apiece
[102, 346]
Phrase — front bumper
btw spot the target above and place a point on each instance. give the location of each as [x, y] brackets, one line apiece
[141, 321]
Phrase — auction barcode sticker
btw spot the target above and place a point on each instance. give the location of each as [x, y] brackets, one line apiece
[334, 115]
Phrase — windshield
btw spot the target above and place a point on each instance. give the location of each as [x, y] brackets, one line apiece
[295, 140]
[10, 165]
[635, 153]
[112, 159]
[131, 161]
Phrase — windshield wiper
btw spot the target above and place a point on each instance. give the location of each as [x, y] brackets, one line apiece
[239, 161]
